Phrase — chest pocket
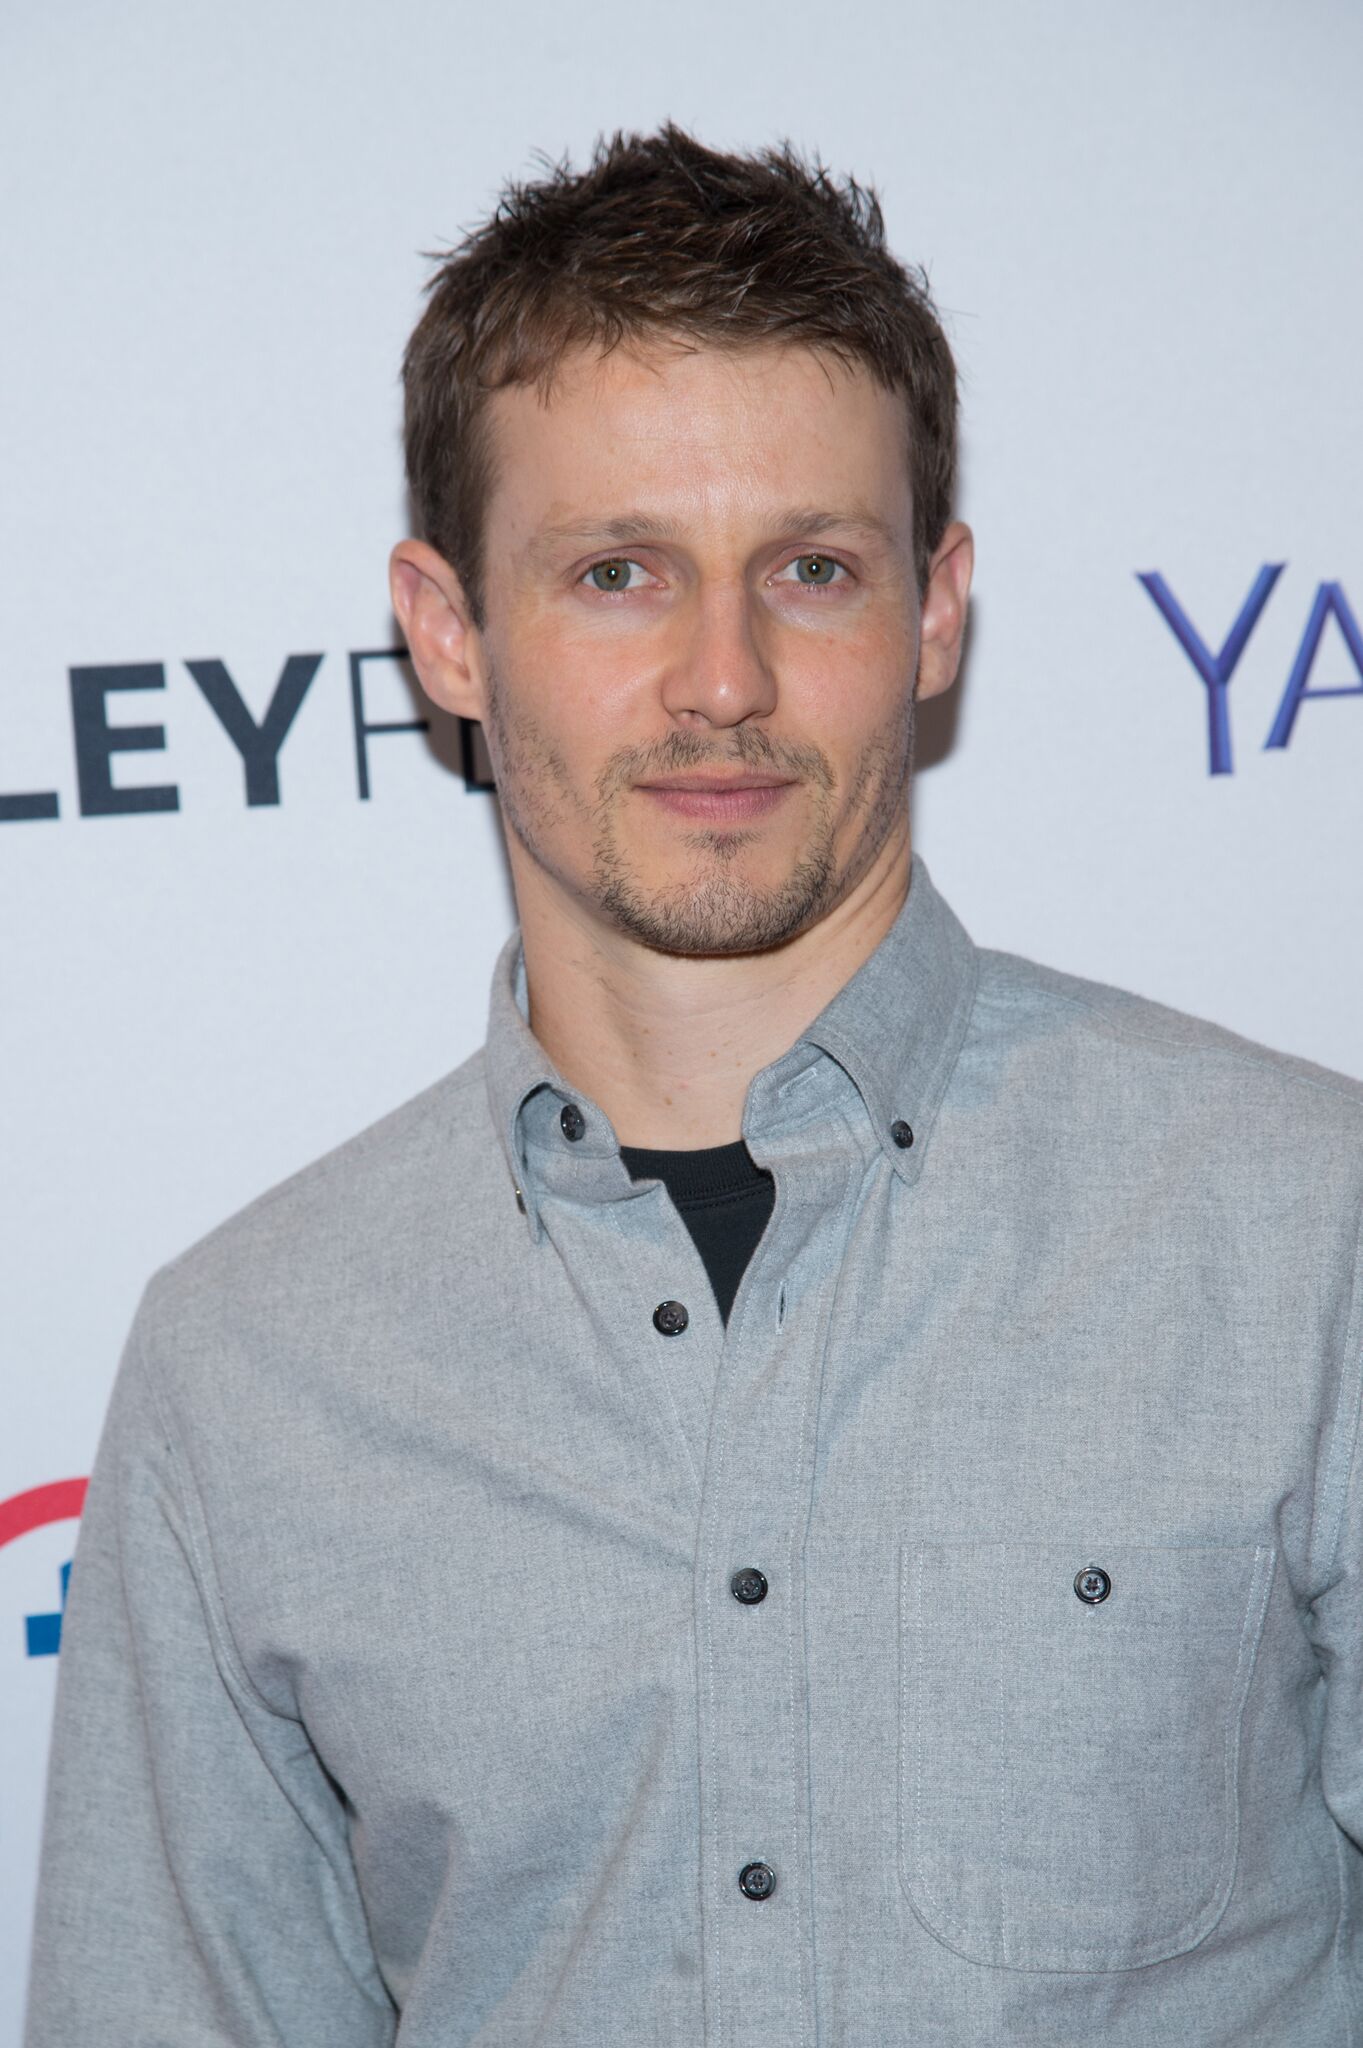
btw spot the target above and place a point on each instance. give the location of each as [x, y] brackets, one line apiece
[1069, 1764]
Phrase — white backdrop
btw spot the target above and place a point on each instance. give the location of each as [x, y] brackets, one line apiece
[1143, 226]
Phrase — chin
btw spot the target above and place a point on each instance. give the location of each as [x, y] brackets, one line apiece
[721, 916]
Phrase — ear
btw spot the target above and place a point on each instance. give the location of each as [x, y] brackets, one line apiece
[942, 625]
[433, 612]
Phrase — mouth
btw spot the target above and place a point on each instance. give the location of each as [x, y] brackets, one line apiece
[720, 799]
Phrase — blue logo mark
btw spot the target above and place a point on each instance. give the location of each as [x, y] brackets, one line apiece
[45, 1630]
[1216, 668]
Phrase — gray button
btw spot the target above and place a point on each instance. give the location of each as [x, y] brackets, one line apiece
[757, 1880]
[748, 1585]
[1092, 1585]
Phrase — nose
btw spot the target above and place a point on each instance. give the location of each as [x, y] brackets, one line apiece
[719, 673]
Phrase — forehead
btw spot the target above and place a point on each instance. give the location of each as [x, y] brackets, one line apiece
[697, 430]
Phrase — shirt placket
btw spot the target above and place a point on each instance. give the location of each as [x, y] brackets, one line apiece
[751, 1667]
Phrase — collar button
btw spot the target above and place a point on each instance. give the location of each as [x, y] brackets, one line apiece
[902, 1133]
[572, 1123]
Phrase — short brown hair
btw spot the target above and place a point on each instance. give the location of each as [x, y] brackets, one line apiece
[662, 236]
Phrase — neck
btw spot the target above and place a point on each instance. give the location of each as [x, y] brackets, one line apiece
[666, 1044]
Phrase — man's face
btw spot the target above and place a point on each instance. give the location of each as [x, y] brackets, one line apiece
[699, 574]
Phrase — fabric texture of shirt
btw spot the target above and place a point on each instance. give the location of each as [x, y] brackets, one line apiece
[404, 1696]
[722, 1196]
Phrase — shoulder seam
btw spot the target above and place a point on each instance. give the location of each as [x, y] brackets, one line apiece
[318, 1170]
[1265, 1061]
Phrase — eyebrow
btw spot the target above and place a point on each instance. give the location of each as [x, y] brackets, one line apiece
[634, 528]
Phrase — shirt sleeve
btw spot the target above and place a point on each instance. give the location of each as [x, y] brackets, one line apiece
[196, 1888]
[1335, 1616]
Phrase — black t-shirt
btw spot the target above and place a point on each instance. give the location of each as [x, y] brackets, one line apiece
[723, 1199]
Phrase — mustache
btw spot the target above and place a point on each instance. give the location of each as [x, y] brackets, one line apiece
[680, 752]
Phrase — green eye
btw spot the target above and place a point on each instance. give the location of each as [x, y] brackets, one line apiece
[612, 575]
[815, 568]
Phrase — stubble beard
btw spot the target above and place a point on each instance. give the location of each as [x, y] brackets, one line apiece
[711, 911]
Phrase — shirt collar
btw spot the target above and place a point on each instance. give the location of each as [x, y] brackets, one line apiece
[895, 1029]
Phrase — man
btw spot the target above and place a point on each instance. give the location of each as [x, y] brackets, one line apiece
[806, 1493]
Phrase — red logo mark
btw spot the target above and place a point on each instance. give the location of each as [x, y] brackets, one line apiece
[60, 1501]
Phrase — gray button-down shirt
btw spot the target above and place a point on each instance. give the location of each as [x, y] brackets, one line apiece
[404, 1697]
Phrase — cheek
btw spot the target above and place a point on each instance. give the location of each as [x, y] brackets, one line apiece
[560, 708]
[846, 688]
[586, 694]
